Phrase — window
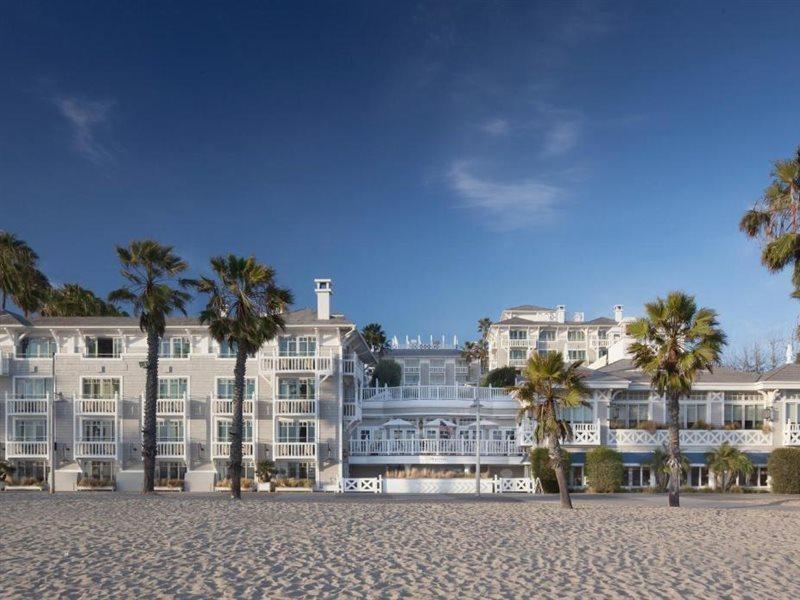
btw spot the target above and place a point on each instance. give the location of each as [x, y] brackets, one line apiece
[225, 388]
[172, 388]
[627, 415]
[692, 414]
[793, 410]
[100, 387]
[517, 354]
[578, 414]
[411, 377]
[697, 476]
[576, 335]
[228, 349]
[33, 387]
[98, 469]
[97, 430]
[743, 411]
[300, 345]
[224, 427]
[576, 479]
[636, 476]
[518, 334]
[297, 470]
[296, 431]
[170, 430]
[30, 430]
[30, 469]
[175, 347]
[576, 354]
[757, 478]
[547, 335]
[166, 469]
[36, 348]
[602, 334]
[297, 388]
[103, 347]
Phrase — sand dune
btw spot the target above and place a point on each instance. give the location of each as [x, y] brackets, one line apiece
[103, 545]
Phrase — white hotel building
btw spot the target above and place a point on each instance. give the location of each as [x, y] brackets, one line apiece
[72, 396]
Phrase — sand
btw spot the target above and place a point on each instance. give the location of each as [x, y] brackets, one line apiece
[96, 545]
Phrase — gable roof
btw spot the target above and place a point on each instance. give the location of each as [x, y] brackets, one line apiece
[787, 372]
[528, 307]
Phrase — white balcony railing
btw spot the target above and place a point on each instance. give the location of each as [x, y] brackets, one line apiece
[350, 410]
[95, 449]
[171, 449]
[224, 406]
[517, 362]
[96, 406]
[16, 405]
[433, 392]
[295, 406]
[294, 450]
[320, 362]
[26, 449]
[583, 434]
[424, 447]
[518, 343]
[791, 434]
[170, 406]
[223, 449]
[690, 437]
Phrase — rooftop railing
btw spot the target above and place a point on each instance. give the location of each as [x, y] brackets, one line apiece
[433, 392]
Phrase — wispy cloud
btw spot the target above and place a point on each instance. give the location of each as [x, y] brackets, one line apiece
[496, 126]
[561, 136]
[505, 205]
[86, 117]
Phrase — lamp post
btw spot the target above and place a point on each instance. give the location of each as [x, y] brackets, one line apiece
[477, 406]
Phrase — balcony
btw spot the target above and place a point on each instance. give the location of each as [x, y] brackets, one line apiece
[224, 407]
[520, 343]
[223, 450]
[433, 392]
[583, 434]
[170, 406]
[16, 405]
[171, 449]
[295, 406]
[26, 449]
[317, 363]
[517, 362]
[424, 447]
[791, 434]
[96, 406]
[350, 410]
[689, 437]
[300, 450]
[95, 448]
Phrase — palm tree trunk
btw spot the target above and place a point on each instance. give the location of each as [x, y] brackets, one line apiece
[557, 462]
[674, 450]
[235, 464]
[149, 446]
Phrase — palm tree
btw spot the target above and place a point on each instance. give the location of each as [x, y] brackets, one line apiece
[375, 337]
[675, 342]
[726, 462]
[32, 290]
[774, 219]
[479, 350]
[73, 300]
[152, 272]
[549, 388]
[244, 310]
[17, 261]
[659, 466]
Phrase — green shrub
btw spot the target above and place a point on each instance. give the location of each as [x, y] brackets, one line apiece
[540, 467]
[387, 372]
[784, 468]
[500, 378]
[604, 470]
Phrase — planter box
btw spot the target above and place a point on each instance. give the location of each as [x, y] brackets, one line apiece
[24, 488]
[264, 487]
[294, 489]
[167, 488]
[109, 488]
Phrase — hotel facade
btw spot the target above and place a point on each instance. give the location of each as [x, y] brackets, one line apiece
[73, 388]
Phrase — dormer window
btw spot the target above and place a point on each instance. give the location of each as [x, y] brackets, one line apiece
[32, 347]
[103, 347]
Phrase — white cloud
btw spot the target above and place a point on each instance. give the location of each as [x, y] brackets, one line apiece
[561, 136]
[505, 206]
[496, 126]
[85, 116]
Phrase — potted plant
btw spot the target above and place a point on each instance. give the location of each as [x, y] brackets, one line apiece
[264, 471]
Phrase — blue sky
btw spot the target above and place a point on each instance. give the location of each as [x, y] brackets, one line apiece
[440, 161]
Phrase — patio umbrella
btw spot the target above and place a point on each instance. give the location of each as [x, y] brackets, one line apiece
[398, 423]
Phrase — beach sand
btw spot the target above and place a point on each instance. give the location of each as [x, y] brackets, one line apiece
[94, 545]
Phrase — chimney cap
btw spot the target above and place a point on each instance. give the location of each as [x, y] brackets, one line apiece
[323, 284]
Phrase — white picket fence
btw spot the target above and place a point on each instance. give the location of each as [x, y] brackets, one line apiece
[498, 485]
